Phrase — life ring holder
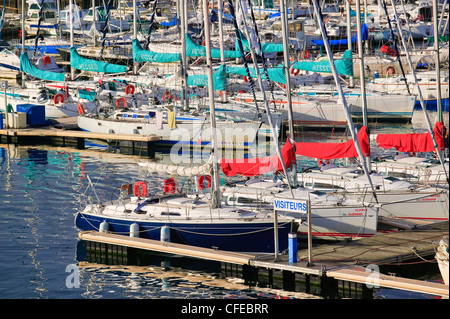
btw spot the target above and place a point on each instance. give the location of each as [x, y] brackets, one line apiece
[170, 186]
[138, 186]
[129, 89]
[390, 71]
[201, 181]
[58, 98]
[306, 54]
[119, 100]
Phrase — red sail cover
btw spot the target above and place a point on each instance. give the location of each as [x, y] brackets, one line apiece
[258, 165]
[335, 150]
[413, 142]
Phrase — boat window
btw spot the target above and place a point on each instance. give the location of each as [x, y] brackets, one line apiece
[326, 185]
[34, 6]
[170, 214]
[49, 15]
[246, 200]
[35, 16]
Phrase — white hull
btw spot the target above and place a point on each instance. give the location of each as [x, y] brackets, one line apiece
[189, 131]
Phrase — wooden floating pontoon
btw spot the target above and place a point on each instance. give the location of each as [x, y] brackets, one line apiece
[79, 136]
[333, 261]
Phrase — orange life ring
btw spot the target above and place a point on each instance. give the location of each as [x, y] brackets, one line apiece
[390, 71]
[137, 189]
[327, 20]
[80, 109]
[58, 98]
[167, 96]
[201, 181]
[118, 104]
[305, 54]
[169, 186]
[129, 89]
[245, 79]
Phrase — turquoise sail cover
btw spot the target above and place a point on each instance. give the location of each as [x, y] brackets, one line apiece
[141, 55]
[266, 47]
[275, 74]
[219, 79]
[29, 68]
[193, 49]
[80, 63]
[344, 66]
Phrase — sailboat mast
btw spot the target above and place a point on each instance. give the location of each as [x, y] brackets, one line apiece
[362, 78]
[183, 17]
[419, 91]
[135, 66]
[349, 37]
[72, 70]
[437, 60]
[285, 37]
[222, 53]
[266, 102]
[215, 178]
[341, 94]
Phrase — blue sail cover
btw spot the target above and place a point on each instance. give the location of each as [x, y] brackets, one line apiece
[29, 68]
[81, 63]
[170, 23]
[193, 49]
[365, 36]
[344, 66]
[141, 55]
[275, 74]
[219, 79]
[266, 47]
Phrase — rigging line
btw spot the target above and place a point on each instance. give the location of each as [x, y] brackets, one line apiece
[36, 39]
[241, 49]
[105, 27]
[394, 40]
[266, 72]
[150, 28]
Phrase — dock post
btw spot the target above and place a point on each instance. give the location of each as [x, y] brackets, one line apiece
[292, 237]
[275, 232]
[80, 143]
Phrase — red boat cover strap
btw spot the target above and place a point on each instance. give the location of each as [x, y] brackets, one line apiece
[414, 142]
[258, 166]
[335, 150]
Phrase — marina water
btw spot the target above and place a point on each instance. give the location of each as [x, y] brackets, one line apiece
[42, 258]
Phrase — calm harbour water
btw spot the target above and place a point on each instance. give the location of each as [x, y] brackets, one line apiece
[40, 190]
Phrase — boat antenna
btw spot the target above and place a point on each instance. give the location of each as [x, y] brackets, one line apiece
[319, 18]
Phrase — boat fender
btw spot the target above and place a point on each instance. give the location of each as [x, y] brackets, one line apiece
[245, 79]
[305, 54]
[80, 109]
[167, 96]
[165, 234]
[129, 89]
[104, 227]
[119, 100]
[58, 98]
[390, 71]
[201, 181]
[134, 230]
[169, 186]
[137, 189]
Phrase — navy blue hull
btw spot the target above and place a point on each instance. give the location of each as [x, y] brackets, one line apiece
[244, 237]
[431, 105]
